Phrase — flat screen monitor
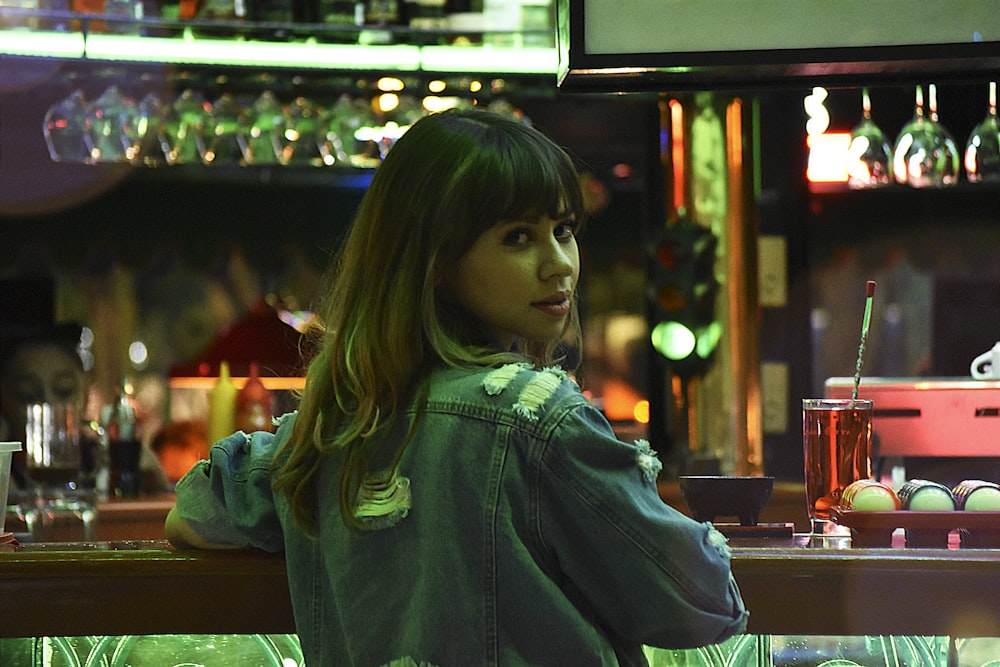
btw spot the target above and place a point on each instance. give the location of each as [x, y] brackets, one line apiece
[702, 44]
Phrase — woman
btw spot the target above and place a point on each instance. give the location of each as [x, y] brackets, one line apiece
[445, 494]
[38, 367]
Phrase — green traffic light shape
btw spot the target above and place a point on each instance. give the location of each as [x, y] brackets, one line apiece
[673, 340]
[708, 339]
[677, 342]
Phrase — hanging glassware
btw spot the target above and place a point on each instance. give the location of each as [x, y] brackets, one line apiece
[64, 128]
[109, 120]
[336, 137]
[982, 151]
[869, 158]
[224, 129]
[261, 133]
[182, 132]
[949, 156]
[141, 136]
[348, 137]
[300, 142]
[925, 154]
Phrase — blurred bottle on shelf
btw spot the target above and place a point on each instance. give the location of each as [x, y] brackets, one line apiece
[538, 23]
[123, 431]
[253, 404]
[57, 23]
[502, 21]
[426, 15]
[93, 7]
[381, 16]
[218, 10]
[17, 20]
[277, 15]
[382, 12]
[125, 15]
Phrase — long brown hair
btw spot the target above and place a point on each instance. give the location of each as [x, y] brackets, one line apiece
[387, 322]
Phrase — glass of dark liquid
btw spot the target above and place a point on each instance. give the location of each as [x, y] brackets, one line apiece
[58, 505]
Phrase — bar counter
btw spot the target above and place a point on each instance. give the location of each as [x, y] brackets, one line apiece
[147, 587]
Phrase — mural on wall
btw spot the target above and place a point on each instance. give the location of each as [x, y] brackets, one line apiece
[142, 318]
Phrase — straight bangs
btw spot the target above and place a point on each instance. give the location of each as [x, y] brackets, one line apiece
[539, 183]
[512, 173]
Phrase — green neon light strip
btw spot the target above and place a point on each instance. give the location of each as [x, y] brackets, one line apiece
[198, 51]
[486, 58]
[41, 43]
[261, 54]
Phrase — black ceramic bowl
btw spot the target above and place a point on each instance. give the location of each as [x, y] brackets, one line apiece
[709, 497]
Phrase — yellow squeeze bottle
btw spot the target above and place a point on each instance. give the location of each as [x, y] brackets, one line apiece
[222, 406]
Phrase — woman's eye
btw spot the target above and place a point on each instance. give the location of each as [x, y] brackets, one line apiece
[566, 230]
[516, 237]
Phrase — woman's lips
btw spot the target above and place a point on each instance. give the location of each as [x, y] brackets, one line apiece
[557, 305]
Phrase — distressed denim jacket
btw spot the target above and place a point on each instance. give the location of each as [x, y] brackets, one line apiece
[517, 531]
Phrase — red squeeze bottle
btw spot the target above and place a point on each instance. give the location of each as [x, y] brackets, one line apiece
[253, 404]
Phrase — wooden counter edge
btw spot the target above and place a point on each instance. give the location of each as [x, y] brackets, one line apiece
[151, 588]
[143, 588]
[871, 591]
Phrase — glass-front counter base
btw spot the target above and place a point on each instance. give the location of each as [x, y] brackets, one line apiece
[835, 651]
[283, 650]
[152, 651]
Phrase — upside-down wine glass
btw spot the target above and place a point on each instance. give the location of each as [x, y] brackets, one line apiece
[225, 129]
[109, 120]
[982, 151]
[925, 154]
[182, 130]
[64, 129]
[869, 158]
[262, 132]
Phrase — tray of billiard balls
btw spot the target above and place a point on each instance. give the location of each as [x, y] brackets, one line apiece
[927, 511]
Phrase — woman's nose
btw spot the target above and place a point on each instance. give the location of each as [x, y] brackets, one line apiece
[562, 260]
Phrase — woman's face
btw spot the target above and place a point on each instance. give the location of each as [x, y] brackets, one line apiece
[518, 279]
[39, 373]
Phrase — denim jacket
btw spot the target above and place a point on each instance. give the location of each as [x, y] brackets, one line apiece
[518, 531]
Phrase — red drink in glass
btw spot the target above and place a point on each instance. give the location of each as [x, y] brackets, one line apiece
[837, 441]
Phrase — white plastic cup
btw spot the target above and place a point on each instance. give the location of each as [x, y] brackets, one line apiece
[7, 450]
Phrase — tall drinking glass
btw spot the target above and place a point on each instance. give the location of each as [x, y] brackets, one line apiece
[837, 441]
[58, 506]
[52, 443]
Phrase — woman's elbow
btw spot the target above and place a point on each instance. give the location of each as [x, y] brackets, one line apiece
[182, 535]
